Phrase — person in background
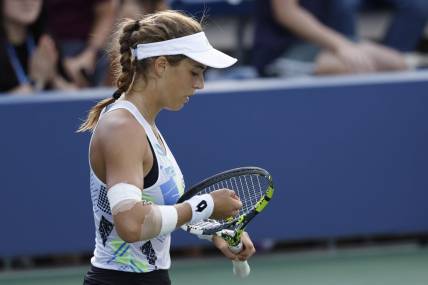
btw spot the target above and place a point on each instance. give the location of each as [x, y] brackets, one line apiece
[81, 29]
[134, 8]
[28, 56]
[295, 37]
[407, 25]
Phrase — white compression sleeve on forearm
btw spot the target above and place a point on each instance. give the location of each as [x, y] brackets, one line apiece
[159, 220]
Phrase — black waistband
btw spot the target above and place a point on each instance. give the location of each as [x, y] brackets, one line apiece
[101, 276]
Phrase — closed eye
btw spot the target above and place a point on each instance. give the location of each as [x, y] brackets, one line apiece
[198, 73]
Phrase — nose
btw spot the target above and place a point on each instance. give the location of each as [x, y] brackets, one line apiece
[198, 83]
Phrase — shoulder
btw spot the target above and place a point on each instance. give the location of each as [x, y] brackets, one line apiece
[120, 127]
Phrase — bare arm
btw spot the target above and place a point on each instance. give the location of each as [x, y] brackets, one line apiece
[124, 148]
[298, 20]
[25, 89]
[105, 15]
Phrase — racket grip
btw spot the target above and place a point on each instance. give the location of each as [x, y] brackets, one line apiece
[240, 268]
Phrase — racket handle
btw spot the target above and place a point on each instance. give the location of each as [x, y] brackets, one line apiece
[240, 268]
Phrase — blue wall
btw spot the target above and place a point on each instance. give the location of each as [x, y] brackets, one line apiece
[347, 159]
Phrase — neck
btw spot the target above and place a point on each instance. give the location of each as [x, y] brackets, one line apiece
[145, 104]
[16, 33]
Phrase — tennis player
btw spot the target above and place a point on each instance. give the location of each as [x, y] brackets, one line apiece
[135, 180]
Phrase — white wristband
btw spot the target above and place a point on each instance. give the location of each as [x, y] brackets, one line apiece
[202, 207]
[169, 219]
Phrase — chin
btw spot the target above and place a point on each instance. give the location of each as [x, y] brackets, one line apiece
[175, 108]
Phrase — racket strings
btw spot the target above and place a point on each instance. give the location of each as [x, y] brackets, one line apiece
[249, 189]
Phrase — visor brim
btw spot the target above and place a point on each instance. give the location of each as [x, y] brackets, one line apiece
[212, 58]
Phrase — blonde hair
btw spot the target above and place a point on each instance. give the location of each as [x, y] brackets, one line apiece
[161, 26]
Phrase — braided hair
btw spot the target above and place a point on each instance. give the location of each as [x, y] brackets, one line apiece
[161, 26]
[127, 68]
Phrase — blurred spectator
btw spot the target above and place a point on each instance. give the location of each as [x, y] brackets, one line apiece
[304, 37]
[28, 56]
[81, 29]
[135, 8]
[407, 25]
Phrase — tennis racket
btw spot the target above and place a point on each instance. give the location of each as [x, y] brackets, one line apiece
[254, 187]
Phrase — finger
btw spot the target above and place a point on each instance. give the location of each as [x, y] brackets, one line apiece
[222, 245]
[50, 46]
[73, 73]
[82, 81]
[235, 212]
[42, 41]
[237, 204]
[246, 253]
[228, 253]
[364, 62]
[248, 247]
[50, 41]
[47, 47]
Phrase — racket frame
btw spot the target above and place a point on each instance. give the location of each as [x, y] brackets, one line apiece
[236, 224]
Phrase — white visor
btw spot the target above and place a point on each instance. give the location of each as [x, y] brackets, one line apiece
[195, 46]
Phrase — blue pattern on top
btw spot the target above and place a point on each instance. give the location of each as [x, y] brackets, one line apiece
[170, 192]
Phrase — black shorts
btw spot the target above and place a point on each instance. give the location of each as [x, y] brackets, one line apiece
[98, 276]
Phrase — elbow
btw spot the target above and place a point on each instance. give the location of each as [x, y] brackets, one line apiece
[129, 237]
[134, 234]
[129, 232]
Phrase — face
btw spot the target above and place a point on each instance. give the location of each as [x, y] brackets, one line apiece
[181, 82]
[23, 12]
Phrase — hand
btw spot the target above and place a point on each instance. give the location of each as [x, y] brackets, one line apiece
[23, 90]
[384, 58]
[247, 247]
[226, 204]
[61, 84]
[355, 58]
[43, 62]
[74, 66]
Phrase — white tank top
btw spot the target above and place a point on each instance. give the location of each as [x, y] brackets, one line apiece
[111, 252]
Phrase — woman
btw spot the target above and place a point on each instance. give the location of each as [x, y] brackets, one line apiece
[28, 58]
[135, 180]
